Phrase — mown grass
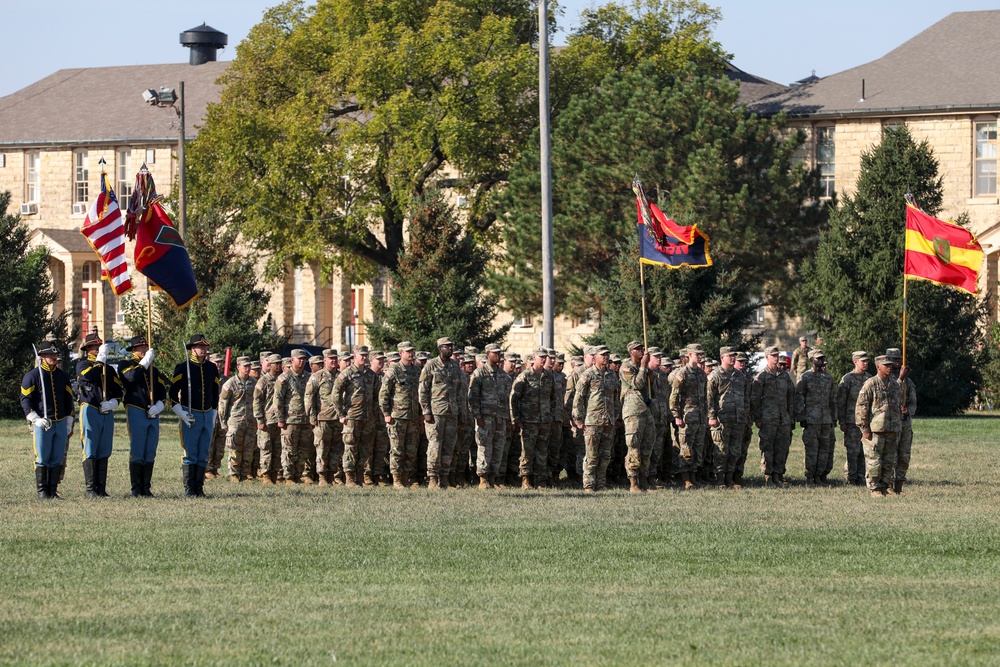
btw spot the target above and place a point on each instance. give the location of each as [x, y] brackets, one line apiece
[313, 576]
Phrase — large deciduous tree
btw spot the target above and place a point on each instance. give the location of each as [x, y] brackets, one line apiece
[852, 292]
[705, 161]
[334, 116]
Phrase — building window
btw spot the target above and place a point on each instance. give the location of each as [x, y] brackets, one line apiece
[81, 177]
[986, 158]
[150, 156]
[826, 158]
[521, 323]
[125, 179]
[33, 160]
[3, 159]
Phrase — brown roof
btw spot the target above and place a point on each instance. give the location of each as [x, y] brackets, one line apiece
[752, 88]
[104, 104]
[71, 240]
[952, 65]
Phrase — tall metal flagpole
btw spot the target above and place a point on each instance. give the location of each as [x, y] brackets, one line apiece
[548, 294]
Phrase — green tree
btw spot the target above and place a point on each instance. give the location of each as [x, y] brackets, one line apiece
[437, 289]
[26, 295]
[704, 159]
[852, 291]
[229, 308]
[334, 116]
[711, 306]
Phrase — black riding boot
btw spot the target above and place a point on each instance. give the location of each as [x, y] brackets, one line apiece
[42, 482]
[90, 477]
[200, 480]
[135, 476]
[54, 475]
[147, 479]
[187, 474]
[101, 475]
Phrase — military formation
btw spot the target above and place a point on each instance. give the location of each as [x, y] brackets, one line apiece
[463, 417]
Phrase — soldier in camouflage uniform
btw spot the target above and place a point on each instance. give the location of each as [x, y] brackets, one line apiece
[296, 435]
[688, 403]
[908, 411]
[439, 395]
[503, 428]
[532, 401]
[638, 393]
[578, 447]
[328, 437]
[741, 365]
[595, 410]
[265, 412]
[218, 445]
[421, 474]
[816, 412]
[879, 416]
[847, 400]
[557, 435]
[236, 420]
[571, 442]
[378, 473]
[771, 399]
[485, 388]
[465, 431]
[660, 461]
[800, 359]
[675, 434]
[354, 401]
[726, 393]
[400, 404]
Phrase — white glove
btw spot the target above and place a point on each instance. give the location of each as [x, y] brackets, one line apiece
[102, 353]
[147, 359]
[69, 425]
[109, 405]
[184, 415]
[155, 409]
[40, 422]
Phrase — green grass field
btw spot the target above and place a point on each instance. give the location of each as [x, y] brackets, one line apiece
[314, 576]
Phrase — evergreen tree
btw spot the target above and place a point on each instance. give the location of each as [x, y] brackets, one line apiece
[711, 306]
[229, 308]
[26, 295]
[437, 290]
[852, 292]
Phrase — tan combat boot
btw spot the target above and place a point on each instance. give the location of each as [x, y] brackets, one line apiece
[878, 493]
[688, 484]
[484, 483]
[397, 481]
[633, 485]
[351, 480]
[897, 486]
[433, 483]
[307, 480]
[267, 478]
[324, 479]
[526, 482]
[235, 479]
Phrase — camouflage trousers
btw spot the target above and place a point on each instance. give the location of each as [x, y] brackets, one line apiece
[512, 457]
[489, 446]
[359, 445]
[297, 456]
[691, 438]
[854, 466]
[379, 464]
[640, 439]
[534, 450]
[659, 462]
[579, 449]
[441, 437]
[269, 444]
[241, 441]
[598, 441]
[818, 441]
[404, 438]
[741, 462]
[554, 451]
[460, 455]
[903, 449]
[774, 441]
[216, 448]
[880, 460]
[727, 439]
[501, 436]
[328, 440]
[675, 448]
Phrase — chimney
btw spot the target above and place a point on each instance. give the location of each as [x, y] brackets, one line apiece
[203, 41]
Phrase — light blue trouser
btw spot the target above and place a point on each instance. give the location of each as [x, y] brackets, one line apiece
[196, 438]
[96, 432]
[50, 446]
[143, 434]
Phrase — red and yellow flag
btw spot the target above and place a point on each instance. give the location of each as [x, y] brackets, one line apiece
[941, 252]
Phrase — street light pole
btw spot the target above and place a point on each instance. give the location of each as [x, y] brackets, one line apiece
[548, 293]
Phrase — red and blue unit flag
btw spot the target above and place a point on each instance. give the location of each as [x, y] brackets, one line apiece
[663, 242]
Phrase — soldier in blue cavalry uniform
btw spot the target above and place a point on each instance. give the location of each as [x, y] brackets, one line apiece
[99, 390]
[145, 393]
[47, 401]
[194, 391]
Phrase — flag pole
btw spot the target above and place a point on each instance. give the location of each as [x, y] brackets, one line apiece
[642, 284]
[41, 383]
[149, 338]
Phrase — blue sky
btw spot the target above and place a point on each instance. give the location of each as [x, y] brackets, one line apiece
[781, 40]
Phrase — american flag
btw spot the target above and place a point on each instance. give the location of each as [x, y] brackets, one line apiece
[105, 232]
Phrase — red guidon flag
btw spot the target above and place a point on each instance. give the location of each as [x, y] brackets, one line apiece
[941, 252]
[105, 231]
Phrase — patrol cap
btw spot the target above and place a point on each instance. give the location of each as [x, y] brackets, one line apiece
[468, 358]
[723, 351]
[215, 358]
[299, 353]
[392, 357]
[287, 361]
[471, 349]
[362, 349]
[600, 349]
[242, 361]
[677, 362]
[404, 345]
[655, 351]
[493, 347]
[316, 359]
[816, 353]
[561, 357]
[883, 360]
[274, 358]
[894, 353]
[344, 352]
[480, 358]
[330, 353]
[540, 352]
[634, 345]
[860, 355]
[694, 348]
[710, 363]
[589, 350]
[378, 354]
[47, 347]
[264, 354]
[255, 365]
[576, 359]
[422, 355]
[803, 339]
[198, 339]
[445, 341]
[742, 356]
[772, 351]
[616, 359]
[135, 341]
[510, 356]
